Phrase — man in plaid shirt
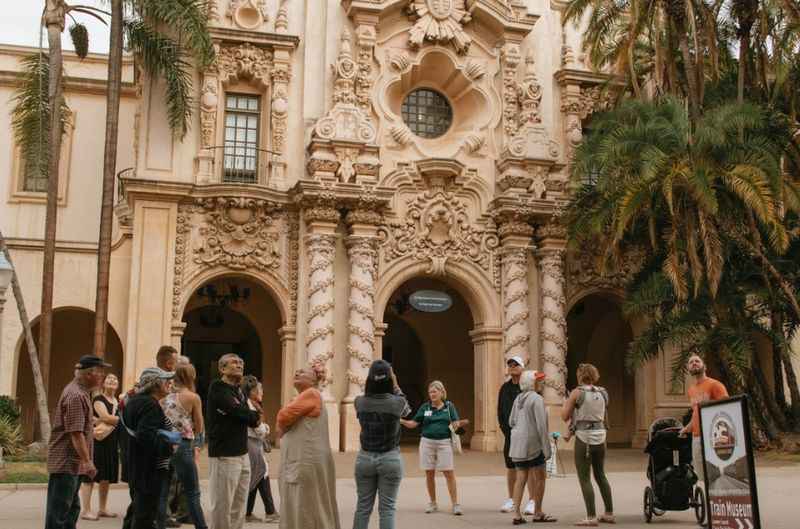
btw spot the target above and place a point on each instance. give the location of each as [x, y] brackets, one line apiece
[71, 444]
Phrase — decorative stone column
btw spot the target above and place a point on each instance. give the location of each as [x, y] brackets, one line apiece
[553, 329]
[515, 247]
[320, 247]
[176, 334]
[488, 346]
[363, 255]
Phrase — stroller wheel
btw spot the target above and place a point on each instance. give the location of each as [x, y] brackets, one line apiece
[699, 505]
[648, 504]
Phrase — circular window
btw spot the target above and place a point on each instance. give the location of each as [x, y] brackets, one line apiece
[427, 113]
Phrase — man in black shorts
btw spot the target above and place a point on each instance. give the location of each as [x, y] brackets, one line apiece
[505, 400]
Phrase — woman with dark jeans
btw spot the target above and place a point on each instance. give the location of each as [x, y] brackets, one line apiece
[379, 467]
[185, 411]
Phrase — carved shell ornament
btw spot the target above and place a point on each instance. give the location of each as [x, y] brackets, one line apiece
[440, 21]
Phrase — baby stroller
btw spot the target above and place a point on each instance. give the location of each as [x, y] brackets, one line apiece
[673, 482]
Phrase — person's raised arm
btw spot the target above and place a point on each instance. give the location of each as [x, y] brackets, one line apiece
[102, 412]
[308, 403]
[227, 404]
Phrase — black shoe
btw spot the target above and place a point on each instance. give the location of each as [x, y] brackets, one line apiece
[172, 522]
[519, 521]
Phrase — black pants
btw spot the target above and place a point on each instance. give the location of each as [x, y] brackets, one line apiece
[63, 504]
[264, 490]
[146, 503]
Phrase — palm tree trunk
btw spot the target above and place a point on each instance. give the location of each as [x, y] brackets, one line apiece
[691, 73]
[36, 370]
[794, 389]
[777, 359]
[778, 419]
[109, 171]
[54, 21]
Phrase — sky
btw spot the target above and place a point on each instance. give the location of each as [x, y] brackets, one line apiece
[19, 24]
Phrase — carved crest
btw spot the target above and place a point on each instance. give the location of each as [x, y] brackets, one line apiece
[437, 228]
[439, 21]
[237, 233]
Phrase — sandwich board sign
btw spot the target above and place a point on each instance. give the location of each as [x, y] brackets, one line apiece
[729, 468]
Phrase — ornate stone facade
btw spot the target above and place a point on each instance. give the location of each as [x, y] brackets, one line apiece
[439, 21]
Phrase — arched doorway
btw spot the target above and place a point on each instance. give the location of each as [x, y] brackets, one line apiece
[599, 334]
[73, 335]
[425, 346]
[234, 314]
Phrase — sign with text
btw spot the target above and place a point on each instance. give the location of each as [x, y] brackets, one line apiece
[430, 301]
[730, 473]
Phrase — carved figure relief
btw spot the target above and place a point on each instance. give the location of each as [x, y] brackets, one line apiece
[208, 112]
[437, 228]
[439, 21]
[235, 233]
[245, 60]
[584, 272]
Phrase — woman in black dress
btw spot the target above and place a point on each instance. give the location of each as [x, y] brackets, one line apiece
[106, 449]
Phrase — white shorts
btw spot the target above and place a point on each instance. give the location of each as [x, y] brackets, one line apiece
[435, 454]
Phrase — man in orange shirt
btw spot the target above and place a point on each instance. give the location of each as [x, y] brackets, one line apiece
[704, 389]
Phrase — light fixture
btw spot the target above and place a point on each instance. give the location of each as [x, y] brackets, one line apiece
[6, 272]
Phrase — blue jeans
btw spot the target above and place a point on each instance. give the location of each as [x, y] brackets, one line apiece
[63, 504]
[183, 464]
[377, 472]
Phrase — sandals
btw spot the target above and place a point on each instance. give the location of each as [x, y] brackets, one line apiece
[89, 516]
[607, 518]
[543, 518]
[519, 521]
[587, 522]
[106, 514]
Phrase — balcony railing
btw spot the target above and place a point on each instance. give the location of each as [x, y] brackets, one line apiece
[120, 184]
[240, 164]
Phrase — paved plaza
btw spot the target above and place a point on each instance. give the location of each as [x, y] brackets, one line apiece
[481, 491]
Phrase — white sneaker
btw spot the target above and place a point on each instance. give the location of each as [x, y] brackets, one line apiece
[508, 506]
[530, 508]
[457, 509]
[431, 507]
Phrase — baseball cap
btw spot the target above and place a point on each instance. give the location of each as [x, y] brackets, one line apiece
[155, 372]
[518, 359]
[88, 361]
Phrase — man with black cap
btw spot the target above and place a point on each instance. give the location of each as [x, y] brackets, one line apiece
[71, 443]
[150, 445]
[505, 401]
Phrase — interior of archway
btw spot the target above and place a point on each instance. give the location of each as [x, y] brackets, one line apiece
[599, 334]
[73, 335]
[427, 346]
[247, 326]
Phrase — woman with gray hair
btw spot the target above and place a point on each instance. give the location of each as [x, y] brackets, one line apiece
[435, 446]
[530, 445]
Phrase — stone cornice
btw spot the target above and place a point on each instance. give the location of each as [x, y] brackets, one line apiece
[256, 38]
[307, 193]
[573, 76]
[83, 85]
[141, 189]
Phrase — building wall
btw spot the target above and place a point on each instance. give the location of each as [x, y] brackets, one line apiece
[348, 203]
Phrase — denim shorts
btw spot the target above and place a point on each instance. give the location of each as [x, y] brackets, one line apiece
[531, 463]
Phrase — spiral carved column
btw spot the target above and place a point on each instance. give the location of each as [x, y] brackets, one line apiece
[553, 324]
[321, 249]
[516, 312]
[361, 345]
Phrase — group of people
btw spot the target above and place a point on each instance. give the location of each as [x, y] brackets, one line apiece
[160, 425]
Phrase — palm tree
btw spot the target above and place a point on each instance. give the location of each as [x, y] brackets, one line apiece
[41, 395]
[163, 56]
[710, 199]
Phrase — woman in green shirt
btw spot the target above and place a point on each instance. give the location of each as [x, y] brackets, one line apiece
[435, 448]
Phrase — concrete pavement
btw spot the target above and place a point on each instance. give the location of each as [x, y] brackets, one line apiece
[481, 489]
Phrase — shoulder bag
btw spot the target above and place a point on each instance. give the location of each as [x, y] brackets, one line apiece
[102, 430]
[455, 439]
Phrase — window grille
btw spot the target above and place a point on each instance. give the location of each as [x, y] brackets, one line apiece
[427, 113]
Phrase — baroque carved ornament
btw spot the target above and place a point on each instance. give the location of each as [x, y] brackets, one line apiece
[244, 60]
[437, 228]
[441, 22]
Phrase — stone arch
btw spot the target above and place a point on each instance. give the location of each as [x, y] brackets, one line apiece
[471, 283]
[73, 333]
[279, 293]
[609, 291]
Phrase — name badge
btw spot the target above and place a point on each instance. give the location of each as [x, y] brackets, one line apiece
[428, 413]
